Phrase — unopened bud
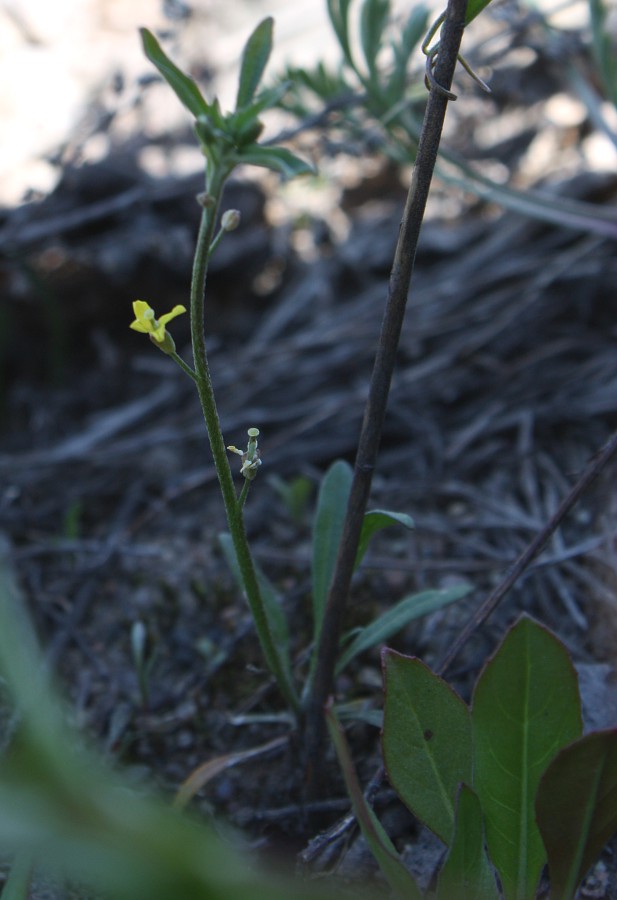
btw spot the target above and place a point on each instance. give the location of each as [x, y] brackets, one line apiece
[230, 220]
[205, 200]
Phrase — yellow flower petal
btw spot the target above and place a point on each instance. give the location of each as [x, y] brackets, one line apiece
[176, 311]
[147, 323]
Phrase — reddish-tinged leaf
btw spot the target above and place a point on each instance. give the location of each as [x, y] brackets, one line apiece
[577, 808]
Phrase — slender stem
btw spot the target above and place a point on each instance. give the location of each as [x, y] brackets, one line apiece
[184, 366]
[372, 424]
[244, 493]
[205, 390]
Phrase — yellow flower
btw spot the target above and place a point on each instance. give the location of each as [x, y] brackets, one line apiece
[147, 323]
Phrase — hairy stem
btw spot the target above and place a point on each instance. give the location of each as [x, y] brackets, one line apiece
[233, 508]
[370, 435]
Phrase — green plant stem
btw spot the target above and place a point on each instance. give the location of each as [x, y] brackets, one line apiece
[233, 508]
[184, 366]
[370, 435]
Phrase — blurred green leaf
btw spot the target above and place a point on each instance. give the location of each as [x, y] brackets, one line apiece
[604, 46]
[411, 36]
[426, 741]
[59, 803]
[376, 837]
[467, 872]
[525, 707]
[338, 11]
[254, 61]
[373, 18]
[397, 617]
[474, 8]
[17, 884]
[376, 520]
[576, 808]
[184, 87]
[327, 531]
[278, 159]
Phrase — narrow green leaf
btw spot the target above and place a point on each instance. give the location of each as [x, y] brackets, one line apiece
[375, 520]
[413, 32]
[272, 606]
[255, 57]
[376, 837]
[526, 707]
[604, 47]
[474, 8]
[373, 18]
[184, 87]
[17, 884]
[426, 741]
[576, 808]
[467, 871]
[278, 159]
[327, 531]
[338, 11]
[397, 617]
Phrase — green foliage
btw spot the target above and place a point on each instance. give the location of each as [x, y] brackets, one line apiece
[525, 708]
[376, 837]
[467, 871]
[254, 60]
[426, 741]
[275, 615]
[58, 803]
[383, 95]
[512, 773]
[397, 617]
[295, 494]
[230, 140]
[576, 822]
[604, 48]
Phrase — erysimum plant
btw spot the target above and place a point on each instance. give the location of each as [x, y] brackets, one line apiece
[228, 140]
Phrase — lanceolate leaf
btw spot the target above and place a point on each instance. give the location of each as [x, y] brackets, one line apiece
[381, 846]
[373, 18]
[397, 617]
[184, 87]
[576, 808]
[279, 159]
[474, 8]
[374, 521]
[275, 616]
[426, 741]
[467, 872]
[254, 60]
[327, 531]
[525, 708]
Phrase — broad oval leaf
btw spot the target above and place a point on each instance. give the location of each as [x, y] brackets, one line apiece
[526, 707]
[397, 617]
[576, 808]
[255, 58]
[184, 87]
[426, 741]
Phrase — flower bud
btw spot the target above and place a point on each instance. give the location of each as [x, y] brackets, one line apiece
[230, 220]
